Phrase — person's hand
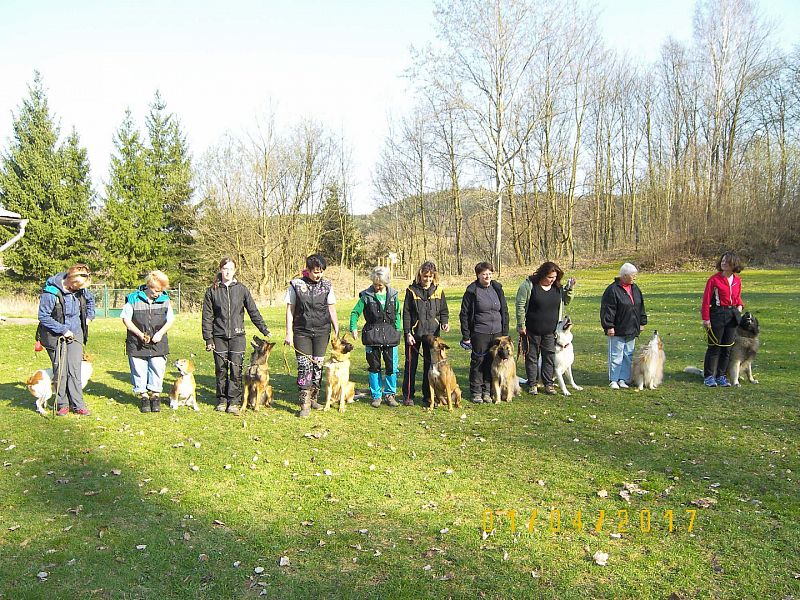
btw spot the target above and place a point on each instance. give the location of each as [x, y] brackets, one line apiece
[289, 339]
[446, 327]
[354, 333]
[68, 335]
[266, 333]
[466, 344]
[209, 346]
[706, 324]
[157, 337]
[610, 332]
[522, 331]
[410, 339]
[641, 327]
[740, 308]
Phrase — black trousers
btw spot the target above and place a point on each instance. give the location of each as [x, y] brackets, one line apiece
[480, 363]
[724, 320]
[410, 370]
[544, 346]
[228, 360]
[374, 359]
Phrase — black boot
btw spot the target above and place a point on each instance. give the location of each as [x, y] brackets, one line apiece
[155, 402]
[305, 403]
[145, 404]
[314, 399]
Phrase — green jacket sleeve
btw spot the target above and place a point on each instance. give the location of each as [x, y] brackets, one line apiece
[521, 302]
[356, 313]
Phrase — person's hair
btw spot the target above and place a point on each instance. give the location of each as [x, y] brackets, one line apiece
[381, 275]
[627, 269]
[159, 278]
[733, 261]
[218, 276]
[316, 261]
[545, 269]
[483, 266]
[427, 267]
[78, 272]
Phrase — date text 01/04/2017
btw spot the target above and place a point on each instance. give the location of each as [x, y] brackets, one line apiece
[620, 522]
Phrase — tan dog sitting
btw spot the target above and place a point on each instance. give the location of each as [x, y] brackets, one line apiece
[505, 384]
[257, 389]
[183, 392]
[441, 378]
[340, 389]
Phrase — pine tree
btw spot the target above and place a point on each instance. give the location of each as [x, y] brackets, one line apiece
[47, 184]
[132, 221]
[168, 159]
[340, 240]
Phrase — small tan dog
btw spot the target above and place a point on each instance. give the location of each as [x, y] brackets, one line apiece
[183, 391]
[40, 383]
[340, 389]
[648, 366]
[257, 389]
[505, 384]
[441, 378]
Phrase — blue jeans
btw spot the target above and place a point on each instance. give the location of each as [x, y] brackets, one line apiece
[620, 357]
[389, 383]
[147, 374]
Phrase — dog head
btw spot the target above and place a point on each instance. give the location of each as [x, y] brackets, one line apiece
[655, 344]
[502, 347]
[262, 347]
[564, 332]
[340, 347]
[749, 323]
[438, 347]
[184, 366]
[38, 382]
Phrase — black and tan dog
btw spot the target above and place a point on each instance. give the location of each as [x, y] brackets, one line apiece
[340, 389]
[257, 389]
[441, 378]
[505, 384]
[744, 349]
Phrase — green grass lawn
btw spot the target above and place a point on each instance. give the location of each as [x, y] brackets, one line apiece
[391, 503]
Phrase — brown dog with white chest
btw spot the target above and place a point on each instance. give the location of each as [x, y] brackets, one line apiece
[505, 384]
[340, 389]
[184, 390]
[257, 389]
[441, 378]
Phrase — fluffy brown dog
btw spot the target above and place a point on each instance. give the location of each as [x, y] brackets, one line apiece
[340, 389]
[183, 390]
[648, 366]
[505, 384]
[441, 378]
[256, 381]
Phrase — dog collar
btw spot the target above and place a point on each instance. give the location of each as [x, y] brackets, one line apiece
[563, 345]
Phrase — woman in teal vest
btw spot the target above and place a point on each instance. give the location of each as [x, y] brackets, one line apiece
[148, 316]
[381, 335]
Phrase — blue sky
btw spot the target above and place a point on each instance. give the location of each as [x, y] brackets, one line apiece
[220, 64]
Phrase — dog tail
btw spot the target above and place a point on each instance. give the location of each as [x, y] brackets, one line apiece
[693, 370]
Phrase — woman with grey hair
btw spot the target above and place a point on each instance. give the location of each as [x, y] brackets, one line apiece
[622, 317]
[381, 335]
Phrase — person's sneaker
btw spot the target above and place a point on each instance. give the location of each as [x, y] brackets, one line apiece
[710, 381]
[613, 385]
[477, 398]
[533, 390]
[408, 402]
[63, 411]
[221, 407]
[233, 409]
[390, 400]
[376, 402]
[144, 405]
[84, 412]
[621, 383]
[722, 381]
[550, 390]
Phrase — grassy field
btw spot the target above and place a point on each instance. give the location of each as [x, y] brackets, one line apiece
[391, 503]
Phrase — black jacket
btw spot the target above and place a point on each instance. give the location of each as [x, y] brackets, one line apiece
[467, 314]
[424, 311]
[617, 310]
[223, 312]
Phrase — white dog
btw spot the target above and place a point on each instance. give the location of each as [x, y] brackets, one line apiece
[565, 355]
[40, 384]
[648, 366]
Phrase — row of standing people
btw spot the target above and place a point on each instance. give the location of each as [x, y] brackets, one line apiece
[66, 308]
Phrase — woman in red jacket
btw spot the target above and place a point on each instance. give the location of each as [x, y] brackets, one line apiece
[721, 310]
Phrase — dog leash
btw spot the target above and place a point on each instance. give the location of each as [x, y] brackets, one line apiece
[300, 352]
[61, 344]
[712, 340]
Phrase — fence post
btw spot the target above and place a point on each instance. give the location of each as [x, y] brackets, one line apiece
[105, 300]
[179, 297]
